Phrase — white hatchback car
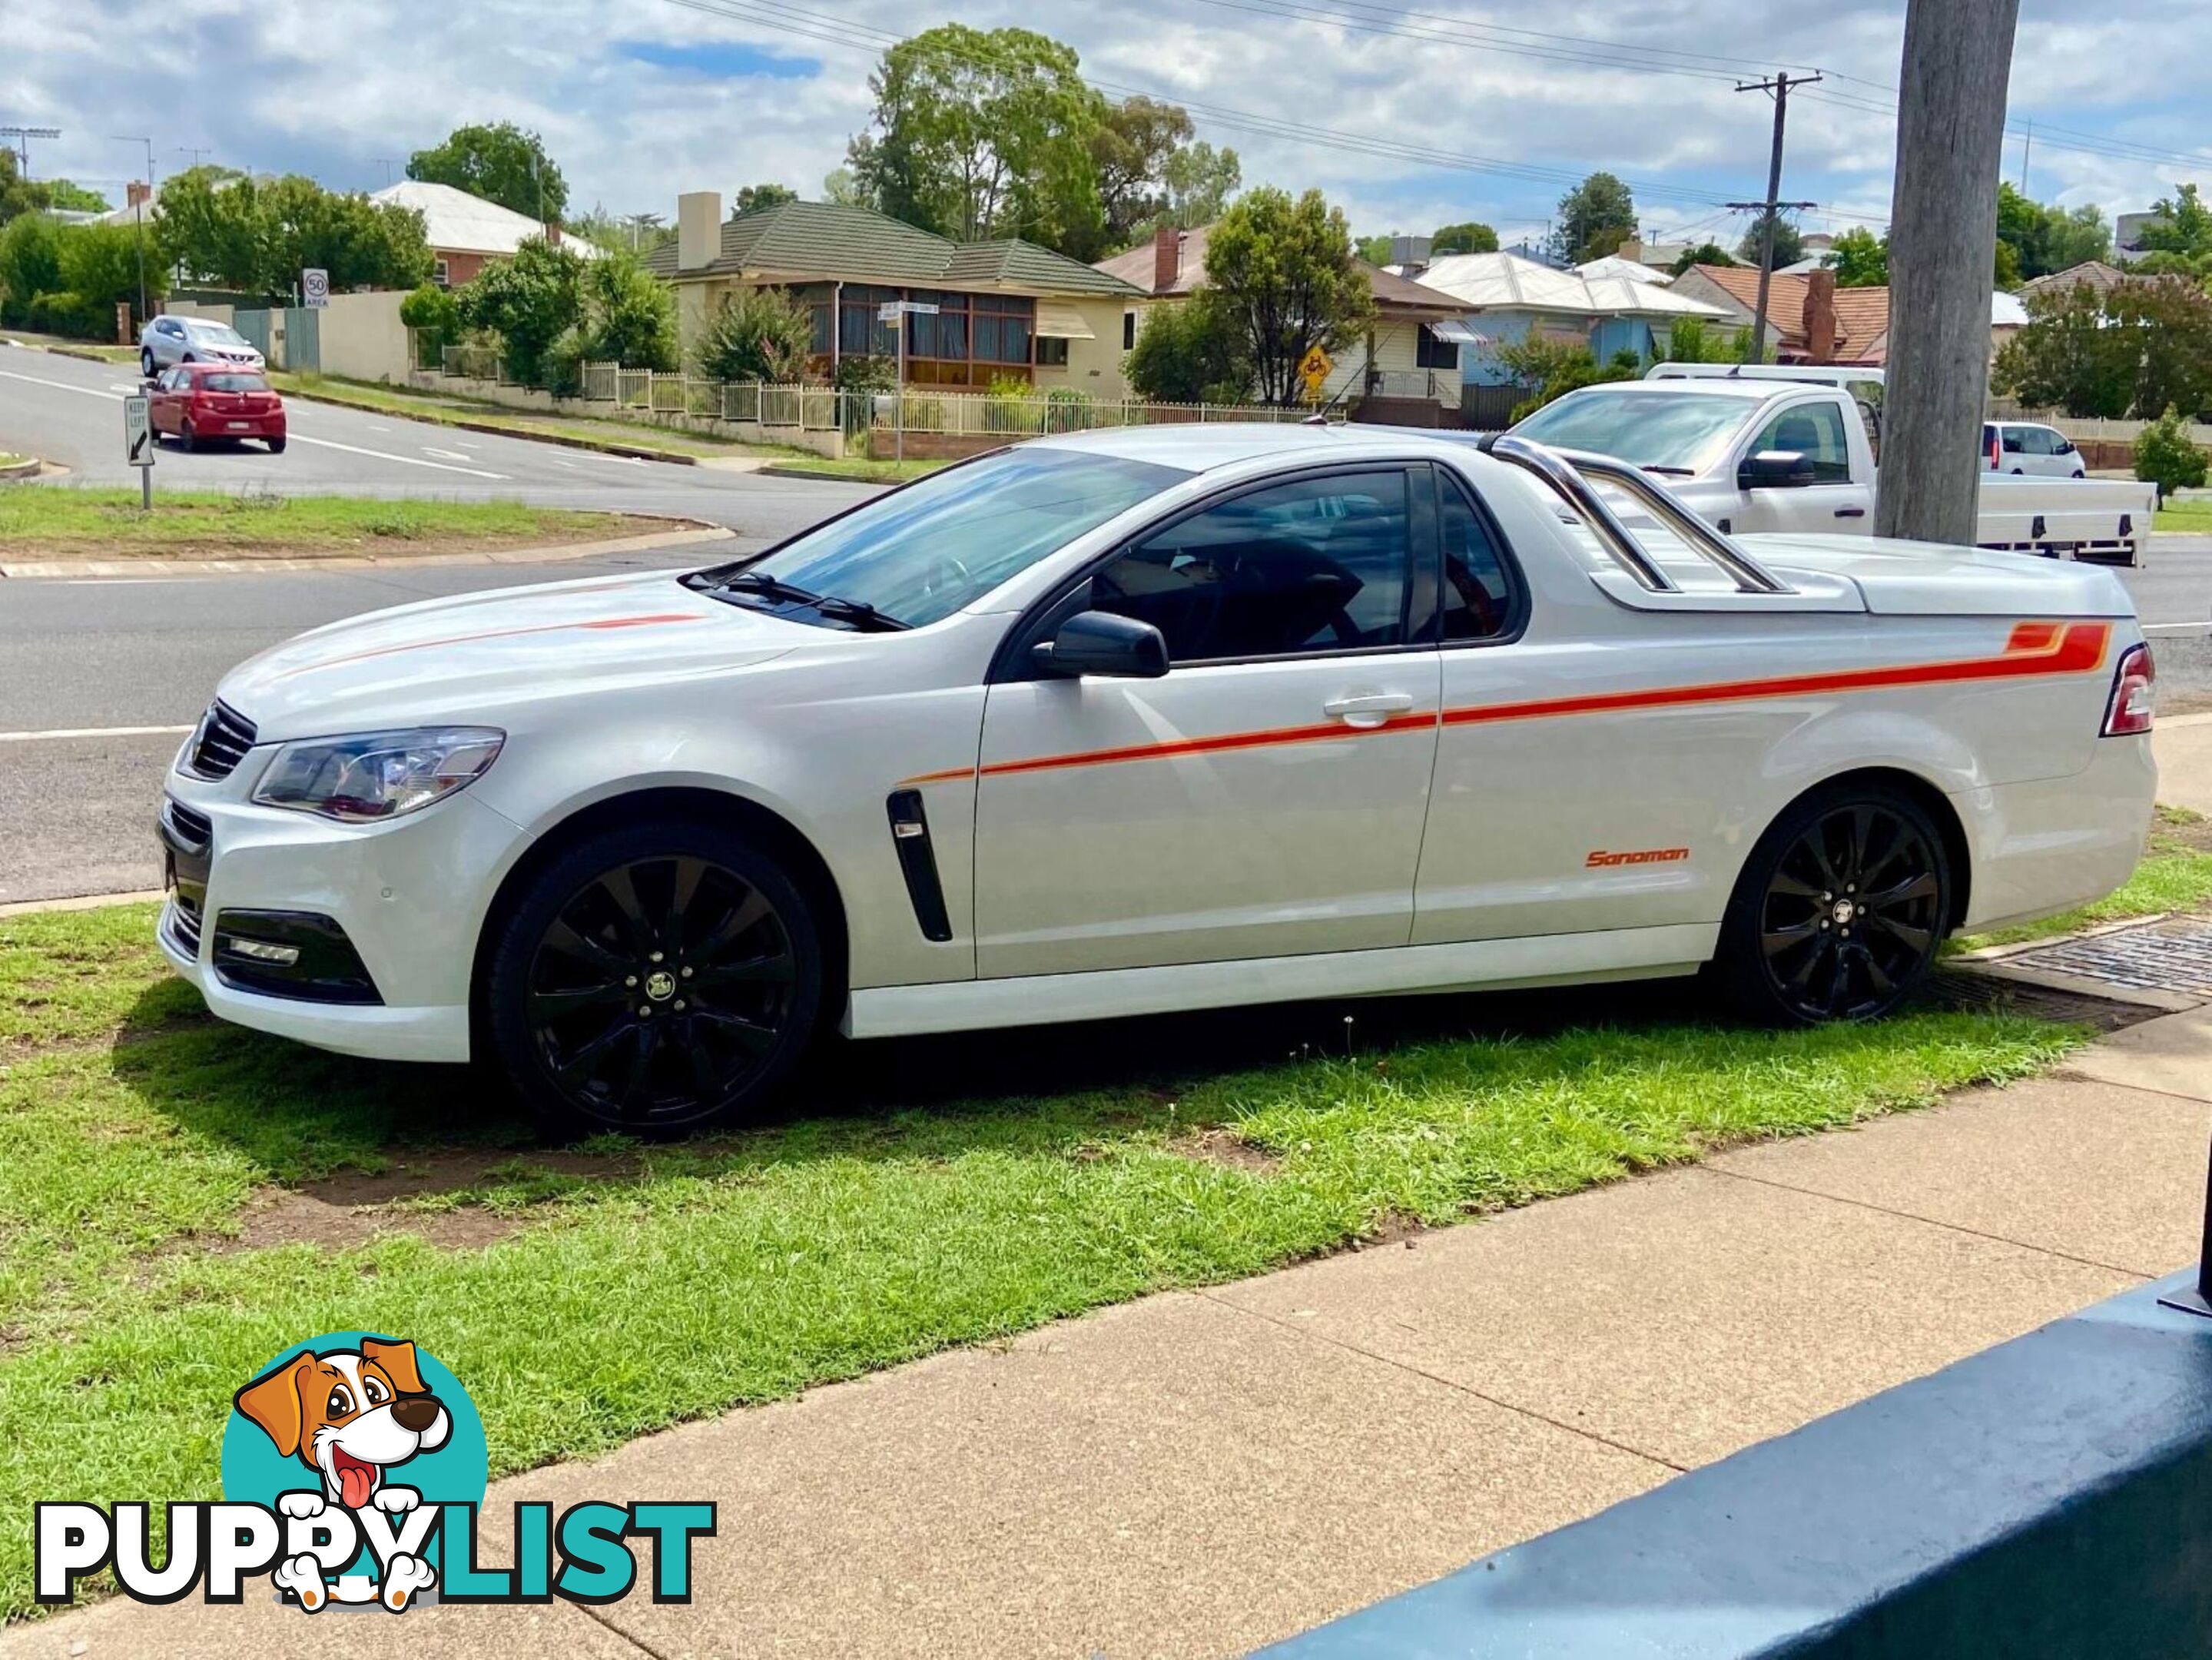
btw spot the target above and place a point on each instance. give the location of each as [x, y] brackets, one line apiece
[2031, 448]
[1153, 720]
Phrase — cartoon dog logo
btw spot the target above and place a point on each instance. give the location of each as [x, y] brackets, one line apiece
[350, 1415]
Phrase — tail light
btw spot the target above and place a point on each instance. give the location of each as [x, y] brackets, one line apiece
[2135, 694]
[1996, 455]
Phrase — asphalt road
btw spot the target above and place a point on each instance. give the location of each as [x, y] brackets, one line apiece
[69, 410]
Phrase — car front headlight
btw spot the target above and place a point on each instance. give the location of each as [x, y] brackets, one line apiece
[371, 777]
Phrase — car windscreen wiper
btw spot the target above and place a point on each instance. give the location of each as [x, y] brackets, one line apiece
[858, 612]
[768, 587]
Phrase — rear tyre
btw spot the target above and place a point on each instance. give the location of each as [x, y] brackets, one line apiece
[1839, 909]
[275, 446]
[654, 979]
[187, 439]
[146, 365]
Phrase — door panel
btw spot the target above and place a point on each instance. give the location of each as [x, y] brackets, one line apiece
[1219, 813]
[1832, 502]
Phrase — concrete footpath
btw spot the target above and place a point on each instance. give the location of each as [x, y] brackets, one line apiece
[1198, 1474]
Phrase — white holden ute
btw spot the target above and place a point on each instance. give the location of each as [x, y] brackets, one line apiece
[1161, 719]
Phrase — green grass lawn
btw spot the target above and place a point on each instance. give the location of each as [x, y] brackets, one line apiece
[917, 1194]
[44, 520]
[2175, 875]
[447, 410]
[2193, 516]
[859, 467]
[113, 353]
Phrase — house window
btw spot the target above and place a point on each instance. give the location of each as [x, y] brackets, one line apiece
[1430, 353]
[1052, 353]
[439, 273]
[1128, 331]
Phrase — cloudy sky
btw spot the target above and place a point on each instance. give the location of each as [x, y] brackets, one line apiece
[1409, 117]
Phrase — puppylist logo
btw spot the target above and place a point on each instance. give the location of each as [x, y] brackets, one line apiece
[353, 1467]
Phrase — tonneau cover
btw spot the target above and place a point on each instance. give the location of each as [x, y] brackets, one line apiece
[1929, 579]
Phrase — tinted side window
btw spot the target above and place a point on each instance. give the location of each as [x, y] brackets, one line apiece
[2016, 442]
[1478, 597]
[1813, 429]
[1317, 564]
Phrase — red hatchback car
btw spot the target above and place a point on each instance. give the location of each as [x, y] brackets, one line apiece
[199, 403]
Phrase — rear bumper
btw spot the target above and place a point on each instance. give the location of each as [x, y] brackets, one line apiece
[2047, 846]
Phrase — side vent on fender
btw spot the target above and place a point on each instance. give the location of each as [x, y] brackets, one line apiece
[917, 864]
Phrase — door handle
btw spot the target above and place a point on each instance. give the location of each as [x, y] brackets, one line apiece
[1851, 512]
[1367, 709]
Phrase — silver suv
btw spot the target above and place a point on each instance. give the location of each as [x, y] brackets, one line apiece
[167, 341]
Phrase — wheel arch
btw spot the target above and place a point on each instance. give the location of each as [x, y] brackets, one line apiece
[1924, 795]
[776, 834]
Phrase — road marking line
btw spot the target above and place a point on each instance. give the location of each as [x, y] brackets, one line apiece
[444, 455]
[373, 427]
[64, 385]
[93, 731]
[130, 389]
[298, 437]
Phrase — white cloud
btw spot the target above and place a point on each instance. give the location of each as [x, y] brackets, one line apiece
[344, 89]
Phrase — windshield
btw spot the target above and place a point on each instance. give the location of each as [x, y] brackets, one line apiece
[919, 554]
[216, 334]
[1674, 431]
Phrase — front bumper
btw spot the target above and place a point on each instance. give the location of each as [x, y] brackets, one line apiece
[408, 899]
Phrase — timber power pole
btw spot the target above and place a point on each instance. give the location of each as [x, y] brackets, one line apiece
[1942, 256]
[1779, 86]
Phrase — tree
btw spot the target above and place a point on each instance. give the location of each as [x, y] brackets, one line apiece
[502, 163]
[2044, 240]
[1595, 217]
[1788, 242]
[1130, 148]
[841, 186]
[755, 334]
[30, 264]
[2184, 225]
[256, 235]
[764, 196]
[1705, 253]
[2167, 457]
[433, 316]
[1374, 250]
[1861, 259]
[1471, 236]
[2132, 350]
[69, 197]
[1190, 352]
[1692, 340]
[18, 195]
[631, 313]
[984, 135]
[1201, 182]
[1283, 271]
[529, 301]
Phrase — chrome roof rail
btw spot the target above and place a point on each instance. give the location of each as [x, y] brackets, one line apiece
[1568, 473]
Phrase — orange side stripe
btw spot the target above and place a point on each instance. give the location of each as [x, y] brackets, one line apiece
[496, 634]
[2031, 649]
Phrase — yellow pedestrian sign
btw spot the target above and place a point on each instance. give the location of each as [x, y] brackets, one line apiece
[1312, 370]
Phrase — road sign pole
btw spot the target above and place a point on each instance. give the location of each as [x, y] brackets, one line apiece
[898, 400]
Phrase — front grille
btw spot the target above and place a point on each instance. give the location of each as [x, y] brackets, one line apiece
[224, 738]
[184, 926]
[195, 828]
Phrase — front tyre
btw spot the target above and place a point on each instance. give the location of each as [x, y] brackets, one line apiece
[655, 979]
[1839, 909]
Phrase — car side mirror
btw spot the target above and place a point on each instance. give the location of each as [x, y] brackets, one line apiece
[1099, 642]
[1775, 470]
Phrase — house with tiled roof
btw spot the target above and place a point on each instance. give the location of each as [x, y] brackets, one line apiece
[1809, 319]
[1410, 352]
[1005, 309]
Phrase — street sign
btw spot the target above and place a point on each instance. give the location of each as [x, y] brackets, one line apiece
[890, 310]
[1312, 370]
[138, 430]
[315, 287]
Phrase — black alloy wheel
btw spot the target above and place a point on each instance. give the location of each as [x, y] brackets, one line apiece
[653, 985]
[1839, 912]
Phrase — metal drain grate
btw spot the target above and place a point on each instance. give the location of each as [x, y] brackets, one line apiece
[1966, 988]
[2173, 955]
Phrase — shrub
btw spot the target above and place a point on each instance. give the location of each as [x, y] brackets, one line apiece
[65, 312]
[1189, 352]
[1013, 405]
[757, 334]
[529, 301]
[633, 314]
[436, 317]
[2167, 456]
[561, 370]
[30, 265]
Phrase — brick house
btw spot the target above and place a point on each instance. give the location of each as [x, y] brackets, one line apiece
[466, 233]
